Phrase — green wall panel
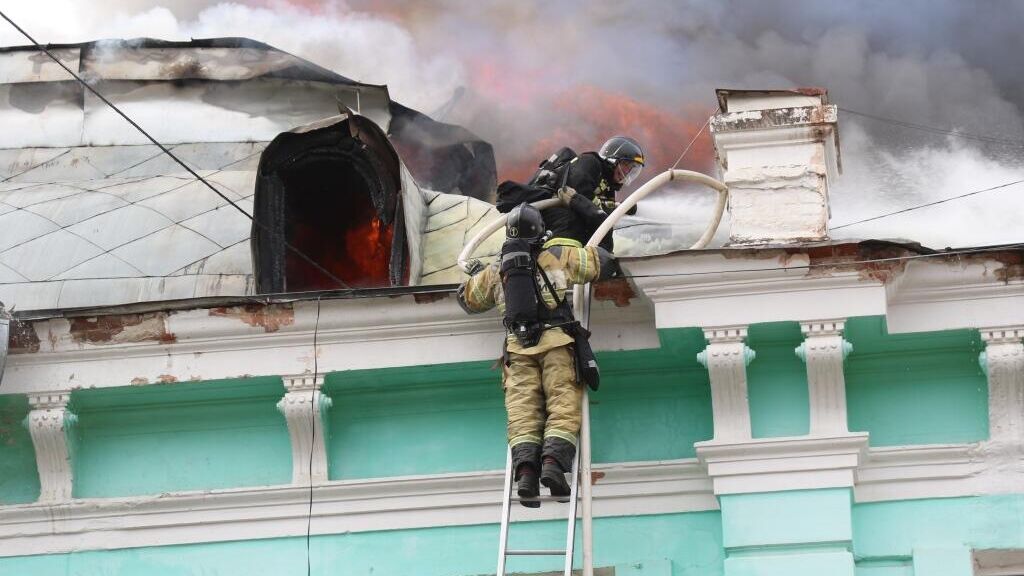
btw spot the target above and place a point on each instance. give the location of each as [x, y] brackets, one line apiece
[895, 529]
[185, 436]
[422, 420]
[687, 544]
[652, 405]
[19, 481]
[915, 388]
[777, 381]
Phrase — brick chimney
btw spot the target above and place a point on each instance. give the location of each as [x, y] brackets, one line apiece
[778, 151]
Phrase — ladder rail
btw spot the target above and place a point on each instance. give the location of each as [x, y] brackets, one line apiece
[570, 537]
[506, 509]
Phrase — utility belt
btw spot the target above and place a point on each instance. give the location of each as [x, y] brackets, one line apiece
[587, 370]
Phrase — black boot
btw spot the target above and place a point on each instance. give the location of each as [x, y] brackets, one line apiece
[553, 478]
[559, 455]
[527, 485]
[526, 463]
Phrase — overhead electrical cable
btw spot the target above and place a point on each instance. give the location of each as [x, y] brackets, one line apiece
[936, 129]
[164, 149]
[692, 140]
[925, 205]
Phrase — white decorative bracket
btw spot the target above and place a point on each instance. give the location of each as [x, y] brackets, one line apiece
[726, 358]
[304, 407]
[50, 423]
[1003, 363]
[824, 350]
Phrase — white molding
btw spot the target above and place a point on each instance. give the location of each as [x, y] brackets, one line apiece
[954, 292]
[778, 464]
[927, 471]
[304, 407]
[626, 489]
[49, 423]
[352, 334]
[726, 358]
[622, 489]
[731, 286]
[824, 350]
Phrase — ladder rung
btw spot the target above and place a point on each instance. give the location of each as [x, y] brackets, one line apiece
[542, 499]
[535, 552]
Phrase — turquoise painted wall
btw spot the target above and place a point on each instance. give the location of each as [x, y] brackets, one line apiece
[922, 388]
[660, 545]
[893, 530]
[421, 420]
[777, 381]
[652, 405]
[184, 436]
[784, 518]
[19, 481]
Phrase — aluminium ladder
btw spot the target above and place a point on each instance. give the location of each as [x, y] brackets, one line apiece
[506, 510]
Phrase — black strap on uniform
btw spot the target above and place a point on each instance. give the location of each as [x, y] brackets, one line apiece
[561, 303]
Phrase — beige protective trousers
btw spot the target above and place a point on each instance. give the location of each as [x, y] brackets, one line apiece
[542, 397]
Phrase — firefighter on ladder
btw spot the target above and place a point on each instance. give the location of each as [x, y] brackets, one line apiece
[546, 354]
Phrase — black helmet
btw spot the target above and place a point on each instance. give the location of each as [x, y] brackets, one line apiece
[625, 151]
[525, 222]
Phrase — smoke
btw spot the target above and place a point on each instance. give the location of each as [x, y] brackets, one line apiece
[532, 76]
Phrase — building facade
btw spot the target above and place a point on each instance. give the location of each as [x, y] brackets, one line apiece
[785, 404]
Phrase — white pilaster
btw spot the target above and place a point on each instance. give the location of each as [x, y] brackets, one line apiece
[1003, 362]
[49, 423]
[726, 358]
[823, 350]
[303, 407]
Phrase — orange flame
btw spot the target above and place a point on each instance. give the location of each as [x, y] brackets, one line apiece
[597, 114]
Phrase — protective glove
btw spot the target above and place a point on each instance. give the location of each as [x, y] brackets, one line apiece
[565, 194]
[474, 267]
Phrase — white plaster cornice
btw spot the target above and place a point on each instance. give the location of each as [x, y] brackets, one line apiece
[354, 334]
[777, 464]
[627, 489]
[927, 471]
[623, 489]
[730, 287]
[954, 292]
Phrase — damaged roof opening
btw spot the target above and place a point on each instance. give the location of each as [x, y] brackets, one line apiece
[332, 191]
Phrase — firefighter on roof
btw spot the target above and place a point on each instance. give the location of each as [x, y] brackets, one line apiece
[587, 185]
[545, 348]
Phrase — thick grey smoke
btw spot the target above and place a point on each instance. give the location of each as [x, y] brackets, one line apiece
[535, 75]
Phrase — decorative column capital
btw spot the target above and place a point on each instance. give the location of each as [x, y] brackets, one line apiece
[720, 334]
[832, 327]
[49, 400]
[303, 382]
[50, 423]
[1002, 335]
